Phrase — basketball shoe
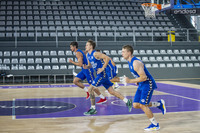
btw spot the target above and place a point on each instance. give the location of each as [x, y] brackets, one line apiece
[88, 96]
[129, 104]
[102, 101]
[116, 85]
[162, 106]
[152, 127]
[90, 112]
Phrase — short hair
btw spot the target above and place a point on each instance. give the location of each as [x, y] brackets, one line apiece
[98, 50]
[92, 43]
[74, 44]
[129, 48]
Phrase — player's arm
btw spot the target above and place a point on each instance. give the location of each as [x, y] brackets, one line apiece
[87, 66]
[105, 58]
[113, 63]
[79, 57]
[139, 68]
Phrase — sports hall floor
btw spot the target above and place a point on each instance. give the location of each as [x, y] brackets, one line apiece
[58, 108]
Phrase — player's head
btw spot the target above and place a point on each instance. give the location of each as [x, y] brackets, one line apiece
[73, 46]
[98, 50]
[90, 45]
[127, 50]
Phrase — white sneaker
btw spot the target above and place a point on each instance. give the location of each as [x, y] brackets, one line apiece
[122, 79]
[74, 73]
[116, 85]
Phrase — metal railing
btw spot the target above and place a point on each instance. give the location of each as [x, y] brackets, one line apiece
[159, 34]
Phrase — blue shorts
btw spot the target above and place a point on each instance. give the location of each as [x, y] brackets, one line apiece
[86, 74]
[144, 93]
[102, 80]
[112, 73]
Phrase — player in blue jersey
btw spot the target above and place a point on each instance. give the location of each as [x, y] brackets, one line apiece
[95, 61]
[146, 86]
[111, 71]
[85, 73]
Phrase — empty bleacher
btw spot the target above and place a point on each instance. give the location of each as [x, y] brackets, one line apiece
[26, 25]
[79, 20]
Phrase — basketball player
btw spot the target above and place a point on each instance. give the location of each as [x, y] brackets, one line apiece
[111, 71]
[94, 60]
[85, 73]
[146, 86]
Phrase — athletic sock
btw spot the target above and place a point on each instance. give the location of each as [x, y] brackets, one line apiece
[153, 121]
[101, 96]
[125, 100]
[92, 107]
[86, 89]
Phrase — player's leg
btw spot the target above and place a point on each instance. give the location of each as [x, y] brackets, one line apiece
[77, 81]
[113, 78]
[108, 85]
[90, 77]
[143, 98]
[92, 109]
[96, 82]
[102, 97]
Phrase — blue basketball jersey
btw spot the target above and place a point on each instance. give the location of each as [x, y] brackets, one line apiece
[101, 78]
[94, 62]
[84, 57]
[136, 75]
[110, 66]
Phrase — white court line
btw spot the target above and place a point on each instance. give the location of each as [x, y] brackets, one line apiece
[123, 105]
[13, 109]
[182, 96]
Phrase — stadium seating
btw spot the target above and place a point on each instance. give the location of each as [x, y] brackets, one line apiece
[66, 20]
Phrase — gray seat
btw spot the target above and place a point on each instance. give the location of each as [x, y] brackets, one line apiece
[68, 52]
[113, 52]
[14, 61]
[162, 65]
[30, 53]
[61, 53]
[6, 61]
[31, 67]
[14, 67]
[71, 67]
[30, 60]
[53, 53]
[38, 60]
[6, 53]
[22, 61]
[62, 60]
[22, 67]
[45, 53]
[54, 60]
[14, 53]
[38, 53]
[116, 59]
[145, 59]
[46, 60]
[63, 67]
[47, 67]
[39, 67]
